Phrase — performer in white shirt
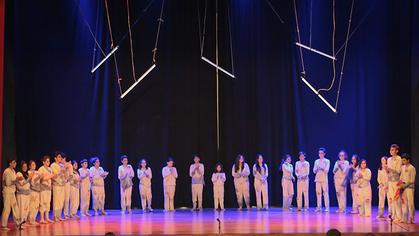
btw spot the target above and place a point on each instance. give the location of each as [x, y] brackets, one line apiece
[218, 178]
[240, 173]
[196, 172]
[169, 174]
[321, 169]
[351, 178]
[394, 167]
[260, 172]
[23, 190]
[364, 189]
[125, 175]
[46, 180]
[67, 188]
[9, 198]
[407, 185]
[35, 197]
[382, 179]
[98, 175]
[145, 175]
[74, 190]
[287, 182]
[340, 170]
[85, 186]
[302, 171]
[58, 188]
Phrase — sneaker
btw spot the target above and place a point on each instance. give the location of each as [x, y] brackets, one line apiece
[299, 209]
[104, 213]
[318, 210]
[326, 210]
[150, 209]
[354, 212]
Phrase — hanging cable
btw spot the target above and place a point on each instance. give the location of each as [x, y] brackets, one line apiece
[231, 40]
[303, 72]
[275, 12]
[130, 41]
[111, 38]
[203, 29]
[311, 19]
[160, 20]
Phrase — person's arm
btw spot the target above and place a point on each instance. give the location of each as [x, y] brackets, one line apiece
[327, 167]
[246, 170]
[367, 175]
[233, 172]
[174, 172]
[316, 163]
[214, 177]
[336, 167]
[297, 169]
[256, 174]
[223, 177]
[121, 175]
[191, 170]
[307, 173]
[201, 169]
[266, 172]
[149, 172]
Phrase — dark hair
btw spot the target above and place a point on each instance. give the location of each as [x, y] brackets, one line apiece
[197, 156]
[217, 165]
[83, 161]
[406, 156]
[322, 149]
[395, 146]
[56, 153]
[357, 159]
[146, 163]
[169, 159]
[45, 157]
[30, 163]
[258, 168]
[284, 159]
[237, 162]
[64, 155]
[123, 157]
[10, 160]
[344, 152]
[73, 162]
[93, 160]
[301, 153]
[24, 173]
[381, 167]
[362, 161]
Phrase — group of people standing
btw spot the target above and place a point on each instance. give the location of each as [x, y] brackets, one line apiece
[29, 191]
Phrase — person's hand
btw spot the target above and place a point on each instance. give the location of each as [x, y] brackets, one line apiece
[31, 174]
[19, 178]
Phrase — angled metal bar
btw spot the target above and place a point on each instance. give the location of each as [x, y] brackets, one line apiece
[315, 51]
[218, 67]
[319, 95]
[104, 59]
[138, 81]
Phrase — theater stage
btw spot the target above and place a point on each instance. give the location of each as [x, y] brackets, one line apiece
[274, 221]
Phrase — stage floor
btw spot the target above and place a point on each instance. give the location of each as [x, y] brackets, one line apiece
[274, 221]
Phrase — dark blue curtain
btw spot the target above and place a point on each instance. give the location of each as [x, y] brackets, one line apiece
[53, 102]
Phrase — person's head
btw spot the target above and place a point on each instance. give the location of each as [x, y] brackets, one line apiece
[218, 168]
[406, 159]
[259, 159]
[32, 165]
[383, 162]
[394, 149]
[84, 163]
[343, 155]
[240, 159]
[302, 156]
[23, 166]
[95, 162]
[363, 164]
[322, 152]
[12, 163]
[143, 164]
[58, 157]
[355, 160]
[170, 162]
[124, 160]
[74, 164]
[46, 160]
[196, 159]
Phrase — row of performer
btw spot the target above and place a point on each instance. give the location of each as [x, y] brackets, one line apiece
[28, 192]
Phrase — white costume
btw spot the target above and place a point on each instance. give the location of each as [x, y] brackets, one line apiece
[23, 192]
[169, 187]
[394, 166]
[145, 176]
[218, 180]
[321, 169]
[302, 170]
[241, 184]
[196, 172]
[74, 193]
[125, 175]
[408, 176]
[382, 179]
[340, 171]
[287, 185]
[58, 189]
[67, 189]
[364, 191]
[84, 190]
[9, 198]
[354, 189]
[35, 197]
[45, 197]
[261, 186]
[98, 188]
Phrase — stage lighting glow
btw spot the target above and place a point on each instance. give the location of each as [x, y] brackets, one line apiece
[218, 67]
[315, 51]
[318, 94]
[104, 59]
[138, 81]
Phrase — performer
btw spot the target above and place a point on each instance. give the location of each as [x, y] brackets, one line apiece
[67, 188]
[407, 185]
[260, 172]
[125, 175]
[363, 176]
[169, 173]
[9, 199]
[394, 166]
[46, 178]
[218, 178]
[382, 179]
[287, 182]
[196, 172]
[23, 190]
[98, 175]
[58, 189]
[74, 190]
[302, 171]
[240, 173]
[145, 175]
[340, 170]
[84, 188]
[351, 177]
[321, 169]
[35, 185]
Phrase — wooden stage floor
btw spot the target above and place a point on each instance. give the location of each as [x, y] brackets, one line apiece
[274, 221]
